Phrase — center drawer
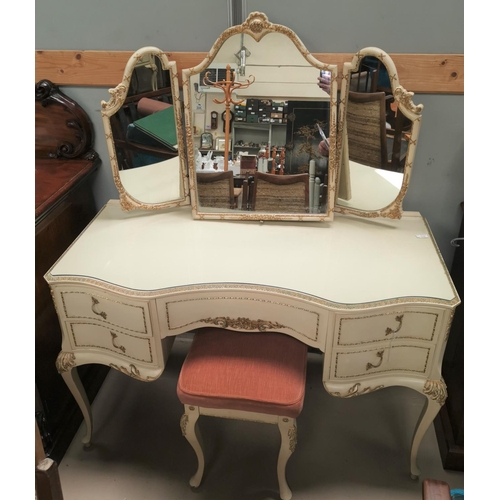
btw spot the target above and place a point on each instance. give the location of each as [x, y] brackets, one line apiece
[245, 312]
[129, 315]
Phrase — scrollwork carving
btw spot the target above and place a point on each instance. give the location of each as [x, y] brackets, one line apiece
[133, 372]
[405, 98]
[355, 391]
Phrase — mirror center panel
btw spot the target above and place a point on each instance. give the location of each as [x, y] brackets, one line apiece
[255, 117]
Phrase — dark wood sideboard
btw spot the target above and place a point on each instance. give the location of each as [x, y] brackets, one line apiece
[449, 424]
[65, 166]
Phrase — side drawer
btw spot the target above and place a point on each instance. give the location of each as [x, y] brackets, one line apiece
[83, 335]
[394, 323]
[115, 311]
[401, 358]
[245, 312]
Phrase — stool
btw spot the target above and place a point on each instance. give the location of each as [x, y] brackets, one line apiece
[257, 376]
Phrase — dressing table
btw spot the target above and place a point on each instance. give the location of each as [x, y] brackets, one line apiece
[367, 286]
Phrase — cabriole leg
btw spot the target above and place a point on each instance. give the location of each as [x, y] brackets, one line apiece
[190, 431]
[288, 431]
[66, 366]
[436, 394]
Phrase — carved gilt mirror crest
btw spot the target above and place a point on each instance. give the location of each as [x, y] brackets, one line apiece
[380, 125]
[143, 128]
[253, 113]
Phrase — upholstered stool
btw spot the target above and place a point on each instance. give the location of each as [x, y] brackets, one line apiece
[248, 376]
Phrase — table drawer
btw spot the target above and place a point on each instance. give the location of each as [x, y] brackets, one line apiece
[96, 336]
[394, 323]
[115, 311]
[402, 358]
[245, 312]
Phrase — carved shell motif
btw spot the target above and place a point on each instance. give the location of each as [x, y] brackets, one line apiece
[65, 361]
[257, 22]
[436, 389]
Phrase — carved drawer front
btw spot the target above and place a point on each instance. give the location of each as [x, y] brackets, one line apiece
[395, 323]
[128, 315]
[401, 358]
[248, 312]
[102, 337]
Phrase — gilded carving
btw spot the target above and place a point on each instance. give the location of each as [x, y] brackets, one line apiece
[65, 361]
[436, 389]
[184, 423]
[133, 372]
[292, 436]
[405, 98]
[243, 323]
[354, 391]
[118, 95]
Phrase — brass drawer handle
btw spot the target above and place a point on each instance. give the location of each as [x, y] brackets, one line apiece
[380, 355]
[113, 338]
[94, 303]
[390, 331]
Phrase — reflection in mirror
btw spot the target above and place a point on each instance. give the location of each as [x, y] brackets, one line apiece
[380, 129]
[143, 126]
[253, 106]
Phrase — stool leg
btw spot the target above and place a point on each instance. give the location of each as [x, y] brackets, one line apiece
[288, 431]
[191, 432]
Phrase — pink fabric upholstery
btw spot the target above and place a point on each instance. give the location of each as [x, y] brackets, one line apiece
[259, 372]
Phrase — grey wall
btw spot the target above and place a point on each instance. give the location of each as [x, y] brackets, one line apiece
[397, 26]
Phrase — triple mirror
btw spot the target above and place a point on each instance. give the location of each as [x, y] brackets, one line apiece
[256, 125]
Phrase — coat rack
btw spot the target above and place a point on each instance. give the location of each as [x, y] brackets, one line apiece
[227, 86]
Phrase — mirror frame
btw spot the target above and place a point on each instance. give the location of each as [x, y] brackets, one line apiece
[405, 104]
[108, 109]
[258, 26]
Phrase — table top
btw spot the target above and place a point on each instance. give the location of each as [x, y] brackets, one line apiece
[349, 260]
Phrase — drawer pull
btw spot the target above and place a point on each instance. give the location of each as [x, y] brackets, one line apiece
[94, 303]
[380, 355]
[390, 331]
[113, 338]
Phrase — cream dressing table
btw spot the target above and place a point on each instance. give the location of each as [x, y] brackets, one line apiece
[373, 295]
[368, 287]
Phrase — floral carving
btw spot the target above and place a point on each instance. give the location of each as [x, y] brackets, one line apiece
[243, 323]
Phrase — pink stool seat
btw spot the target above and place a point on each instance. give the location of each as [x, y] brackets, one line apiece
[260, 372]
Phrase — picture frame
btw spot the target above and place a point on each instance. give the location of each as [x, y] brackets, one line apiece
[207, 141]
[220, 144]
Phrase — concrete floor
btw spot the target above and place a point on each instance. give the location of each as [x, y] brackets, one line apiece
[348, 449]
